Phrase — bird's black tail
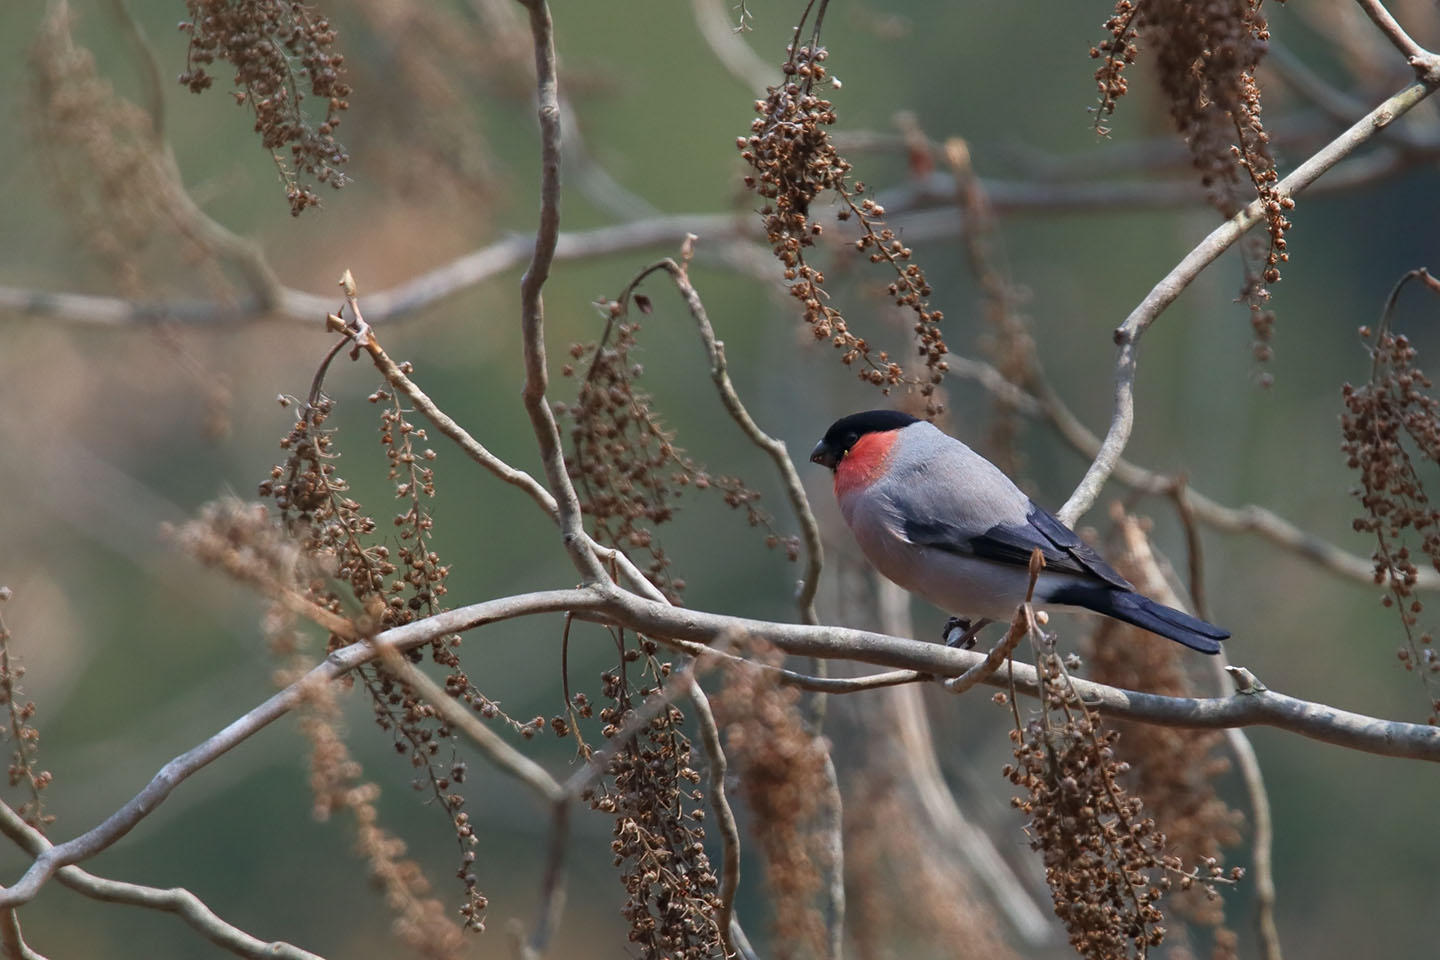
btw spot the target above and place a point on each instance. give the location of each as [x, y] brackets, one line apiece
[1141, 611]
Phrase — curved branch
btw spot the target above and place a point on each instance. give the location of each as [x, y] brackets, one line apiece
[774, 449]
[1425, 64]
[1253, 706]
[340, 662]
[1165, 292]
[176, 900]
[724, 815]
[532, 305]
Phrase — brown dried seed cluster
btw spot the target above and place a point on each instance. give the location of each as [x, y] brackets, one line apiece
[781, 768]
[1208, 54]
[432, 147]
[1381, 415]
[100, 150]
[336, 779]
[659, 845]
[794, 161]
[1116, 52]
[276, 47]
[627, 468]
[908, 885]
[25, 739]
[1105, 862]
[1174, 771]
[334, 530]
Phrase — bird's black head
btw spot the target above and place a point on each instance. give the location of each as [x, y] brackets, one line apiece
[843, 433]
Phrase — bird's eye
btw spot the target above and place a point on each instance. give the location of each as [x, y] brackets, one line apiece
[851, 439]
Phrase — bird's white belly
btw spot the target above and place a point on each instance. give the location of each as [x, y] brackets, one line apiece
[962, 585]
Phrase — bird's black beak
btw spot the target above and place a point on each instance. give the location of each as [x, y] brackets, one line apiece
[824, 455]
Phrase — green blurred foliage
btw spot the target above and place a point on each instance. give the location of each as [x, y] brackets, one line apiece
[135, 654]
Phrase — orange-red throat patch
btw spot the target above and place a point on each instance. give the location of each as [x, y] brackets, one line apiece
[864, 462]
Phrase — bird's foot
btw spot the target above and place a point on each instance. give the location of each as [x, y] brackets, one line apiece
[968, 631]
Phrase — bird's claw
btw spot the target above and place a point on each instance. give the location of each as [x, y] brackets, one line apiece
[968, 631]
[951, 625]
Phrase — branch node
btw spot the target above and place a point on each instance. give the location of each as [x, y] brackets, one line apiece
[1245, 681]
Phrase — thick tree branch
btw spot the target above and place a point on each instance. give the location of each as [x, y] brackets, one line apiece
[1255, 706]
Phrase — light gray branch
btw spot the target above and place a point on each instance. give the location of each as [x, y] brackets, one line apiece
[532, 306]
[1425, 64]
[176, 900]
[338, 663]
[1248, 518]
[1165, 292]
[1255, 706]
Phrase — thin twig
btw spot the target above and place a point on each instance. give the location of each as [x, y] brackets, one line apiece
[552, 882]
[1020, 626]
[834, 853]
[1425, 64]
[532, 306]
[338, 663]
[176, 900]
[1262, 841]
[809, 583]
[805, 681]
[1164, 293]
[729, 47]
[505, 757]
[774, 449]
[724, 815]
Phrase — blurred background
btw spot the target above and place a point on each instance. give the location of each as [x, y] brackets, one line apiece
[134, 653]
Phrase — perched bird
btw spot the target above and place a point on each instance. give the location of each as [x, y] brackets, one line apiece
[943, 522]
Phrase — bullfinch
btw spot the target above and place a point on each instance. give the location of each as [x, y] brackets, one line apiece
[943, 522]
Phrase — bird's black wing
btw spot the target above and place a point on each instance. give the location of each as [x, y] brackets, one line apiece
[1012, 543]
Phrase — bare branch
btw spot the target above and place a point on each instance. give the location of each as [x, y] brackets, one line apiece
[774, 449]
[473, 448]
[803, 681]
[176, 900]
[724, 815]
[532, 307]
[1253, 707]
[12, 944]
[927, 212]
[1262, 841]
[834, 834]
[1165, 292]
[1425, 64]
[505, 757]
[908, 725]
[1140, 551]
[341, 661]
